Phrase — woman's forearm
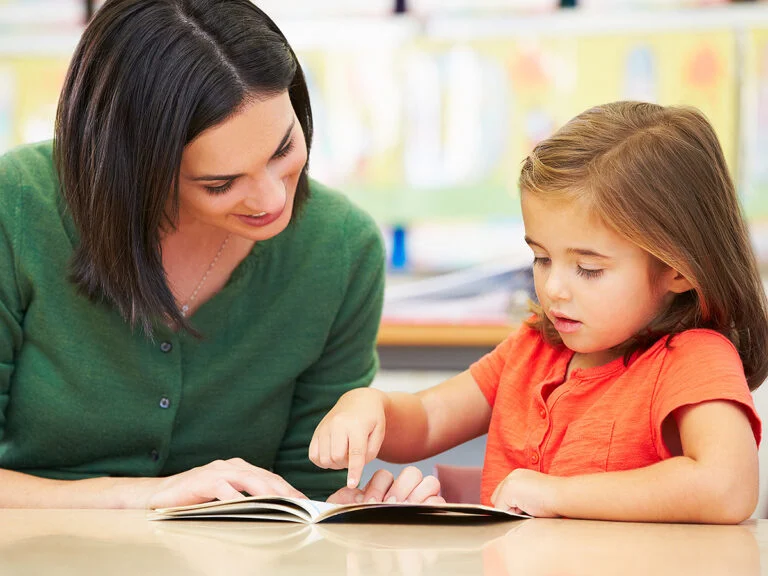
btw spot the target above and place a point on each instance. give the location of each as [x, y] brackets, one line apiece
[18, 490]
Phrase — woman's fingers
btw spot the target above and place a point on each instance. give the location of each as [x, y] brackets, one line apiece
[223, 490]
[268, 482]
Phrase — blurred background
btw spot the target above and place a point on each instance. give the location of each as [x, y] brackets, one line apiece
[424, 111]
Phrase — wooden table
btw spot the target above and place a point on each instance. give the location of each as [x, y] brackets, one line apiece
[85, 542]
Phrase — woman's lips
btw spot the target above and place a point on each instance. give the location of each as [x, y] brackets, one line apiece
[260, 221]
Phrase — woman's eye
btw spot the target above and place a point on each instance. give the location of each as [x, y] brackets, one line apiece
[219, 189]
[540, 261]
[586, 273]
[286, 150]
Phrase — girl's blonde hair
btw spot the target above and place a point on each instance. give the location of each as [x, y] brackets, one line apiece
[657, 175]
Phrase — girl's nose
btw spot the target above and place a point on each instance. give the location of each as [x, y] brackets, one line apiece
[556, 288]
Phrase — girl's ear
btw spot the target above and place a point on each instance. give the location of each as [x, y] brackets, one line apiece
[677, 283]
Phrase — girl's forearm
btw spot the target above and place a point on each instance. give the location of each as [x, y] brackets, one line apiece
[675, 490]
[407, 426]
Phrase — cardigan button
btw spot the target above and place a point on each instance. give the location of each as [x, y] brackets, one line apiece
[164, 402]
[166, 347]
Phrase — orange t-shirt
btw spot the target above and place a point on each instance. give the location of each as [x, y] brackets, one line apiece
[601, 419]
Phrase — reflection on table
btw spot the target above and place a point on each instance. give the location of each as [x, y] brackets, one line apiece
[87, 542]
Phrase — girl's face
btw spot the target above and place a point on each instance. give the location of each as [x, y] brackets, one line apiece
[241, 175]
[596, 287]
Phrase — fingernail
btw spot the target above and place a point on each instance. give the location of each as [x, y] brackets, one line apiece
[372, 500]
[359, 498]
[351, 482]
[391, 500]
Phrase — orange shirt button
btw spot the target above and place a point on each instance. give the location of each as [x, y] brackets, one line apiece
[535, 458]
[543, 413]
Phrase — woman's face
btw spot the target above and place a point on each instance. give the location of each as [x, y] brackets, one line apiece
[241, 175]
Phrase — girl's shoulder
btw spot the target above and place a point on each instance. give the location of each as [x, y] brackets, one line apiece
[699, 354]
[697, 342]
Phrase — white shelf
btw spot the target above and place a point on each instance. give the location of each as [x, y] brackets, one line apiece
[305, 34]
[585, 22]
[39, 44]
[43, 13]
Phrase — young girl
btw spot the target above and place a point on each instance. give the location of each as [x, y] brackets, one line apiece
[626, 396]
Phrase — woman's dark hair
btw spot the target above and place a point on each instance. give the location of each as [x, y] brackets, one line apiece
[147, 77]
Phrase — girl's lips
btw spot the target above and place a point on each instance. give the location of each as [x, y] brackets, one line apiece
[260, 221]
[566, 325]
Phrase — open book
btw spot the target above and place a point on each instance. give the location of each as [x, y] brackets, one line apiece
[277, 508]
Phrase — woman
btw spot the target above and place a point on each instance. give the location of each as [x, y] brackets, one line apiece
[179, 304]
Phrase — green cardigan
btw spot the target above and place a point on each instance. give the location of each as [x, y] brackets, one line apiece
[82, 395]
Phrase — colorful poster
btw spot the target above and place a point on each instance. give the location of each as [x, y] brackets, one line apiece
[437, 130]
[754, 181]
[29, 92]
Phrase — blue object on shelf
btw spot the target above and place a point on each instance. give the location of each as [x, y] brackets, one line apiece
[399, 255]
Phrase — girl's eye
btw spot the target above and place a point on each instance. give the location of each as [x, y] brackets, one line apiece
[286, 150]
[540, 261]
[219, 189]
[588, 273]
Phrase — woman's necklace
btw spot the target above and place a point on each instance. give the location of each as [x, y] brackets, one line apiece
[188, 302]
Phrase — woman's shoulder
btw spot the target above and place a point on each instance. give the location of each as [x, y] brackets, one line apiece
[29, 164]
[330, 210]
[28, 168]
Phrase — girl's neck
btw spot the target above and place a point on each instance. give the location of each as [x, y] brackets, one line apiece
[592, 360]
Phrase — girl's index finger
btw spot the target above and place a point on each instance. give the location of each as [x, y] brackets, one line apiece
[356, 460]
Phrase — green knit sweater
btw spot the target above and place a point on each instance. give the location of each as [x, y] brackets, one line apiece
[82, 395]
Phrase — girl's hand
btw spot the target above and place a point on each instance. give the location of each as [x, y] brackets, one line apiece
[410, 486]
[222, 479]
[351, 434]
[527, 491]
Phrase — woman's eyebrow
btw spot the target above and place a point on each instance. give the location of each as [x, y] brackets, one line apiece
[220, 177]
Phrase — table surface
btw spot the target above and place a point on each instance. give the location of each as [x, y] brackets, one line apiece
[116, 542]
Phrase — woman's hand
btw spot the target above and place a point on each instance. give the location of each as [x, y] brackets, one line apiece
[410, 486]
[222, 479]
[527, 491]
[351, 434]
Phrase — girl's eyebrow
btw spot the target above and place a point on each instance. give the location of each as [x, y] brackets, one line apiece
[578, 251]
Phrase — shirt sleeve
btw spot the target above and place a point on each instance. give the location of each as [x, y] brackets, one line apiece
[700, 366]
[487, 371]
[349, 359]
[11, 308]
